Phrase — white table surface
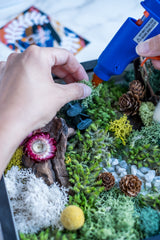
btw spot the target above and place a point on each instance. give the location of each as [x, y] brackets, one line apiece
[95, 20]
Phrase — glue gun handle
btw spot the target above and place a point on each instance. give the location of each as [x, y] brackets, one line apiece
[119, 53]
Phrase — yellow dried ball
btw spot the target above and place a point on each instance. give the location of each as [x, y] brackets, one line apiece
[72, 217]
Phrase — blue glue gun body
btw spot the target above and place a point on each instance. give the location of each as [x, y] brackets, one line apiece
[121, 50]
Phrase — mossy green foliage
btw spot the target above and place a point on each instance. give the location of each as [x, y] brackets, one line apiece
[154, 77]
[95, 93]
[149, 222]
[147, 135]
[50, 234]
[43, 235]
[85, 187]
[109, 215]
[84, 154]
[113, 218]
[146, 112]
[94, 143]
[129, 76]
[152, 200]
[146, 155]
[121, 128]
[16, 159]
[104, 107]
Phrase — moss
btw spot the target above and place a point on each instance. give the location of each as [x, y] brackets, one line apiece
[95, 93]
[43, 235]
[147, 135]
[121, 128]
[109, 215]
[154, 77]
[146, 112]
[84, 154]
[16, 159]
[95, 143]
[152, 200]
[149, 221]
[114, 218]
[146, 155]
[104, 105]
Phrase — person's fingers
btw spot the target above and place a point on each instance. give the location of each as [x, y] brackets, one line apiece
[2, 66]
[63, 73]
[72, 91]
[150, 47]
[61, 62]
[156, 64]
[64, 63]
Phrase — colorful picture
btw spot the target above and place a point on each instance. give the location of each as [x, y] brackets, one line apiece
[35, 27]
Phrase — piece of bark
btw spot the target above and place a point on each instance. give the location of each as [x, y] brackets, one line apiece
[54, 169]
[44, 170]
[71, 132]
[40, 169]
[59, 130]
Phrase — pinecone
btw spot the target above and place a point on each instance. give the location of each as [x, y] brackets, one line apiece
[130, 185]
[129, 103]
[108, 180]
[137, 88]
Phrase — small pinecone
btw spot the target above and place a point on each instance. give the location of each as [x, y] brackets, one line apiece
[108, 180]
[137, 88]
[129, 103]
[130, 185]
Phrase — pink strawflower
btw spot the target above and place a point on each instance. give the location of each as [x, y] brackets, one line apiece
[40, 147]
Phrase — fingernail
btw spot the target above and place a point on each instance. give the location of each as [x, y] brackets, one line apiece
[86, 90]
[143, 48]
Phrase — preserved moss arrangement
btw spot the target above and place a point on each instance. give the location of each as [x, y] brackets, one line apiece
[111, 169]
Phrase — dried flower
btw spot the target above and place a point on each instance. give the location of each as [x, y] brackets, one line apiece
[130, 185]
[40, 147]
[129, 103]
[137, 88]
[108, 180]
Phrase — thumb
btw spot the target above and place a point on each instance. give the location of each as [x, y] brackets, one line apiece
[75, 91]
[149, 48]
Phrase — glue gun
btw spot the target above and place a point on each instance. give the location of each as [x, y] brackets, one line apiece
[121, 50]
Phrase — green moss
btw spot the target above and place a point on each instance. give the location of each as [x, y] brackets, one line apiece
[146, 155]
[84, 154]
[109, 215]
[95, 93]
[47, 234]
[152, 200]
[16, 159]
[146, 112]
[104, 107]
[147, 135]
[114, 218]
[154, 77]
[149, 222]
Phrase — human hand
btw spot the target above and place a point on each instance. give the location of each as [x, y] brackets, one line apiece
[150, 48]
[29, 98]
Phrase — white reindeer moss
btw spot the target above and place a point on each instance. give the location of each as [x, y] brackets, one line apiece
[35, 205]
